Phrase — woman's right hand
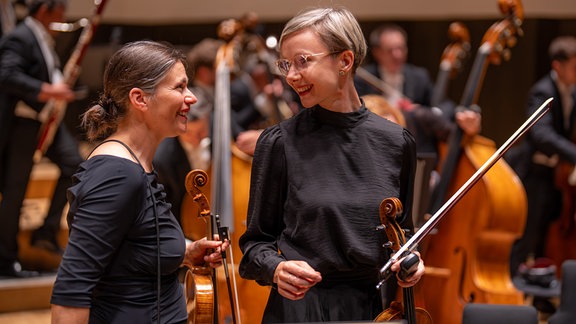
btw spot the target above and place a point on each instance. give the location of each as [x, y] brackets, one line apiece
[295, 278]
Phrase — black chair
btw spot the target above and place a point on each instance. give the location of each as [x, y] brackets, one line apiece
[499, 314]
[566, 313]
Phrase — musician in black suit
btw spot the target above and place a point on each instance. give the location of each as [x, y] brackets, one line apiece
[407, 82]
[29, 78]
[549, 141]
[409, 88]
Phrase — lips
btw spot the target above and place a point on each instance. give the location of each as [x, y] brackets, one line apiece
[183, 113]
[302, 90]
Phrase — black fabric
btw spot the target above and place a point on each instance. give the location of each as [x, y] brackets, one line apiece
[110, 262]
[499, 314]
[566, 313]
[317, 182]
[339, 302]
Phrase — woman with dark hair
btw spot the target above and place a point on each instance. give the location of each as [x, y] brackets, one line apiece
[125, 247]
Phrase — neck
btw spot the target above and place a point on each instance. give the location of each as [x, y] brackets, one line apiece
[141, 146]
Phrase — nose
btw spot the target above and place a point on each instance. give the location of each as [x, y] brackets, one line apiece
[189, 97]
[293, 74]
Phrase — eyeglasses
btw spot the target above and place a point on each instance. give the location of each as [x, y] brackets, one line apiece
[300, 62]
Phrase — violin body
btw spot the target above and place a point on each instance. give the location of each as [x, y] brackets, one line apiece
[467, 260]
[395, 312]
[199, 293]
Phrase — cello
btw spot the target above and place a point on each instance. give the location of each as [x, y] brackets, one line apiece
[390, 208]
[473, 244]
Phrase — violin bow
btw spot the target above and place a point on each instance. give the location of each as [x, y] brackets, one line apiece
[412, 243]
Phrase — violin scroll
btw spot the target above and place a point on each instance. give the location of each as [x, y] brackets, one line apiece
[198, 280]
[389, 209]
[194, 181]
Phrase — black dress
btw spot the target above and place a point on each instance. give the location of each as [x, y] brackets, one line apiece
[110, 263]
[317, 183]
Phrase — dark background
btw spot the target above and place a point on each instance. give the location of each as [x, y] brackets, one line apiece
[503, 91]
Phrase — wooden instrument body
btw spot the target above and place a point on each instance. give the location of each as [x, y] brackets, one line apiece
[467, 260]
[199, 294]
[396, 310]
[252, 297]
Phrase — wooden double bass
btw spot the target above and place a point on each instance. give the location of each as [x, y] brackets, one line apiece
[472, 245]
[390, 208]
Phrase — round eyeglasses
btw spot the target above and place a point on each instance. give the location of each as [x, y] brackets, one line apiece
[300, 62]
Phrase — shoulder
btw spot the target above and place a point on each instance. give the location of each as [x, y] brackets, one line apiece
[389, 132]
[544, 84]
[20, 34]
[271, 135]
[107, 170]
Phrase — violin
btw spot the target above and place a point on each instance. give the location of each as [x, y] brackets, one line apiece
[198, 280]
[390, 208]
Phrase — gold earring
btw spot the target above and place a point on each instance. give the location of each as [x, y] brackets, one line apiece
[341, 73]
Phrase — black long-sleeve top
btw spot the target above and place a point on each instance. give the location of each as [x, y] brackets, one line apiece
[317, 183]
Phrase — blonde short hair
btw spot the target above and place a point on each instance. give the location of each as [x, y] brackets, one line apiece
[337, 28]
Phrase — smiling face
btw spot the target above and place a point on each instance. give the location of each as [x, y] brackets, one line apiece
[317, 81]
[171, 101]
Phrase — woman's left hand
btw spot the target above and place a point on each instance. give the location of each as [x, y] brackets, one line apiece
[414, 277]
[205, 251]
